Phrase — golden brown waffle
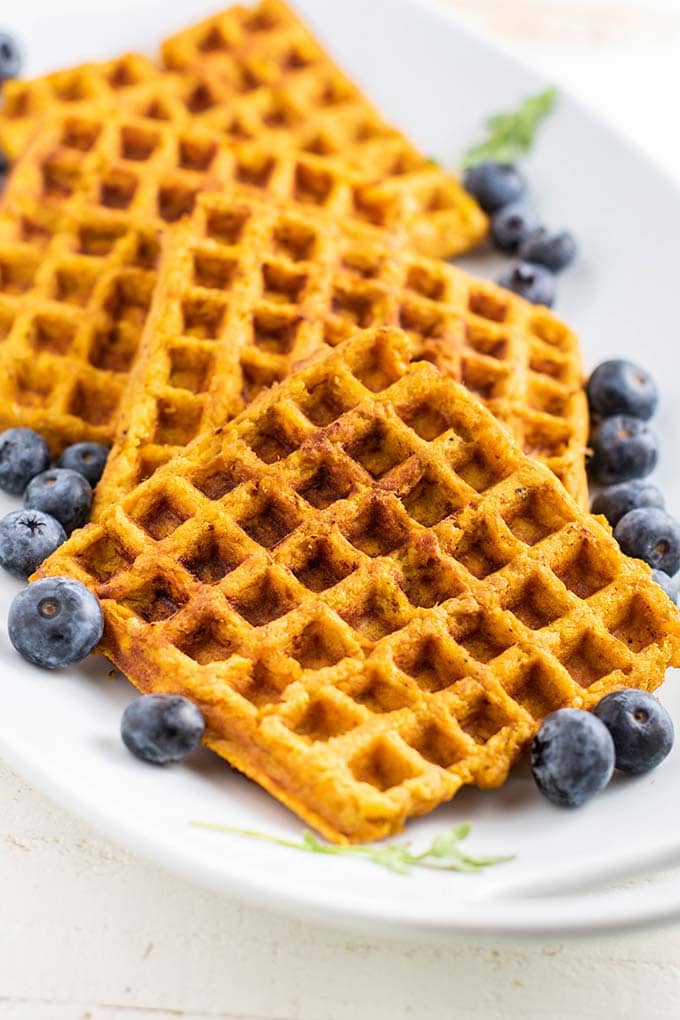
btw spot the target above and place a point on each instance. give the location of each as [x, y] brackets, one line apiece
[248, 289]
[372, 595]
[155, 169]
[74, 294]
[259, 74]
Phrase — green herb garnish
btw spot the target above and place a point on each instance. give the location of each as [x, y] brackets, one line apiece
[512, 134]
[443, 854]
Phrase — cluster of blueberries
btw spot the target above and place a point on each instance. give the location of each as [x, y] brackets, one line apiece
[575, 752]
[501, 190]
[57, 500]
[57, 621]
[624, 450]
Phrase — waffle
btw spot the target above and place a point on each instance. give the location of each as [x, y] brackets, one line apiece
[371, 593]
[248, 289]
[259, 74]
[74, 295]
[154, 169]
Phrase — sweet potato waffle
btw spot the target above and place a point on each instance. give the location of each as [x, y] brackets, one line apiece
[248, 289]
[74, 295]
[259, 74]
[371, 593]
[101, 158]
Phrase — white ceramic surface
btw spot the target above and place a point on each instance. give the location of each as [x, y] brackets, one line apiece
[438, 82]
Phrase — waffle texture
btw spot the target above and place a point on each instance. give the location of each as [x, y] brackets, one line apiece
[74, 296]
[259, 74]
[248, 289]
[371, 593]
[98, 157]
[26, 102]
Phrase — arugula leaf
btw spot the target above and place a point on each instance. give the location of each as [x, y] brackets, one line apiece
[512, 134]
[443, 854]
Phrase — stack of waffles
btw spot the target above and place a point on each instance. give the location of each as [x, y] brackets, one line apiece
[344, 507]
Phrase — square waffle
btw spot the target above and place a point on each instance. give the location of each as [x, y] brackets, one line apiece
[371, 593]
[259, 74]
[249, 288]
[153, 169]
[74, 295]
[149, 173]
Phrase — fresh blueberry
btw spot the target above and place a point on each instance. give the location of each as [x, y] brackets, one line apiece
[534, 283]
[621, 387]
[616, 501]
[27, 537]
[88, 459]
[572, 757]
[641, 728]
[510, 226]
[63, 494]
[651, 535]
[554, 251]
[10, 58]
[161, 727]
[55, 622]
[23, 455]
[668, 584]
[494, 184]
[622, 448]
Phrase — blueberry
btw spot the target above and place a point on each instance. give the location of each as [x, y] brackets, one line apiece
[554, 251]
[160, 728]
[534, 283]
[641, 728]
[511, 225]
[622, 448]
[88, 459]
[27, 537]
[572, 757]
[55, 622]
[63, 494]
[10, 58]
[651, 535]
[23, 455]
[621, 387]
[617, 500]
[668, 584]
[494, 184]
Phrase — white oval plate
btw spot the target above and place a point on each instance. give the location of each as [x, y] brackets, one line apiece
[438, 82]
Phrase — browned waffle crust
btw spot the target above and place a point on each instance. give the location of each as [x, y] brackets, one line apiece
[250, 288]
[74, 295]
[259, 74]
[371, 593]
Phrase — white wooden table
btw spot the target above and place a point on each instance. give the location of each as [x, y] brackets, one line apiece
[89, 933]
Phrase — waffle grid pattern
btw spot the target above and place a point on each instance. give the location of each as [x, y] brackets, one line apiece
[259, 74]
[74, 296]
[155, 171]
[250, 289]
[371, 593]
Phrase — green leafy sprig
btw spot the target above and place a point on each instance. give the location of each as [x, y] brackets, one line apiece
[511, 135]
[443, 854]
